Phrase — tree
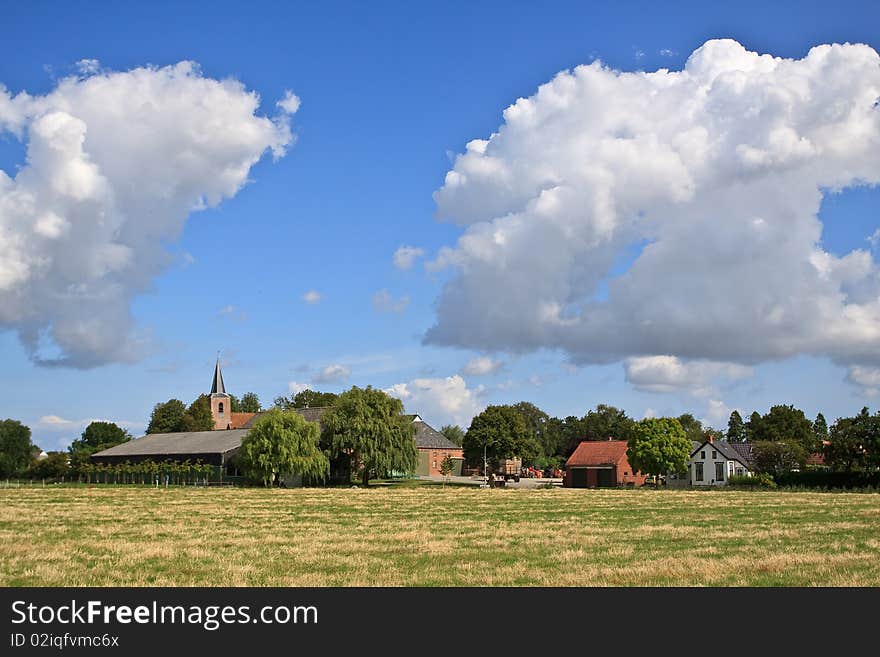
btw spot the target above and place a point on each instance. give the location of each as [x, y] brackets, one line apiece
[736, 429]
[96, 437]
[306, 399]
[250, 403]
[167, 417]
[693, 429]
[536, 422]
[367, 427]
[786, 424]
[854, 442]
[753, 427]
[198, 416]
[446, 467]
[820, 430]
[608, 422]
[778, 456]
[453, 433]
[502, 431]
[282, 443]
[101, 434]
[658, 446]
[54, 466]
[571, 432]
[15, 447]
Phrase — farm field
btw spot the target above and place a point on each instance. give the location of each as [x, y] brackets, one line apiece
[435, 536]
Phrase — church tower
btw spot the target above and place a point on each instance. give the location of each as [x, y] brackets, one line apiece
[221, 406]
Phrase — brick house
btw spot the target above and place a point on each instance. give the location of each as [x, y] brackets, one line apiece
[433, 447]
[600, 463]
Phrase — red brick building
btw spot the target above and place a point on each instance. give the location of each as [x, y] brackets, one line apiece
[600, 463]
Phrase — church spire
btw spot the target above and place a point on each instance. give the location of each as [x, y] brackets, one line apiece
[217, 386]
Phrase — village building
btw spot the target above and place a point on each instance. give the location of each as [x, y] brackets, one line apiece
[600, 463]
[433, 448]
[220, 446]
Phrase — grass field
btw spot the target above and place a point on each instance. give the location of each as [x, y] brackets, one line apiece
[433, 536]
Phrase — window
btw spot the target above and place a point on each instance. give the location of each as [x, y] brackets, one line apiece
[698, 472]
[739, 472]
[730, 467]
[714, 455]
[719, 472]
[702, 456]
[434, 464]
[220, 408]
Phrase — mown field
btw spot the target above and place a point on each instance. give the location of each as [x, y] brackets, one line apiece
[435, 536]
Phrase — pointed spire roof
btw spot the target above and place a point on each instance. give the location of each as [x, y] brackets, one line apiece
[217, 386]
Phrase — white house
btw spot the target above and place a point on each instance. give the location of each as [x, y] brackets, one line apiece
[713, 463]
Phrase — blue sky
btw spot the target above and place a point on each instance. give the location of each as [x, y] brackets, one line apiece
[390, 93]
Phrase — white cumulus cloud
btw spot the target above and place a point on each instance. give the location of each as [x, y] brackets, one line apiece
[440, 401]
[334, 373]
[674, 214]
[116, 162]
[481, 366]
[405, 256]
[670, 374]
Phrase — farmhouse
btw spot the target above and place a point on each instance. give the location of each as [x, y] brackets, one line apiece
[713, 463]
[220, 446]
[600, 463]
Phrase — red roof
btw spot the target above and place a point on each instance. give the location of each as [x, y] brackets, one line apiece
[598, 452]
[238, 420]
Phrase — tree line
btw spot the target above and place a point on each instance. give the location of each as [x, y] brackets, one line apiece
[365, 434]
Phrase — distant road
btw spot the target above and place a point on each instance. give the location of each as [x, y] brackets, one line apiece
[524, 482]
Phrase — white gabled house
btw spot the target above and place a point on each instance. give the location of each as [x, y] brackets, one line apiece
[713, 463]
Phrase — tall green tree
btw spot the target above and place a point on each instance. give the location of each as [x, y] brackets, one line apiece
[736, 428]
[753, 427]
[536, 422]
[15, 448]
[820, 430]
[658, 446]
[692, 427]
[571, 431]
[502, 431]
[785, 423]
[367, 427]
[454, 433]
[167, 417]
[283, 443]
[606, 422]
[198, 416]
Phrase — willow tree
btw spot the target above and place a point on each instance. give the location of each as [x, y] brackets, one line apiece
[282, 443]
[367, 427]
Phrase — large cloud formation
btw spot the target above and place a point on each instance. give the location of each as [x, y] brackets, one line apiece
[116, 162]
[669, 214]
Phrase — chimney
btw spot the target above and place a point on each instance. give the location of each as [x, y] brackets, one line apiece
[711, 438]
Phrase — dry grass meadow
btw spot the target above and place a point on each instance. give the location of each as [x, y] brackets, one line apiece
[435, 536]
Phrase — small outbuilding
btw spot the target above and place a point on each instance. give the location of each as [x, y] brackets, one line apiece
[600, 463]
